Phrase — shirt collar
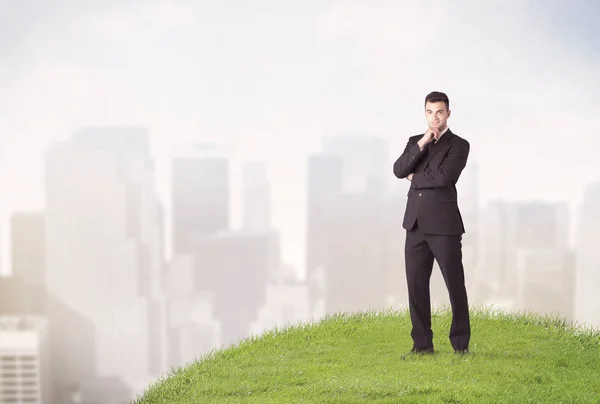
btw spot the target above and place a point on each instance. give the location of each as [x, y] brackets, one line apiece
[441, 134]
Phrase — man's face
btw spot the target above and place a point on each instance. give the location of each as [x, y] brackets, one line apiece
[437, 114]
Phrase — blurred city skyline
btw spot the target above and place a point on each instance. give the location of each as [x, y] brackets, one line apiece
[120, 313]
[179, 175]
[272, 79]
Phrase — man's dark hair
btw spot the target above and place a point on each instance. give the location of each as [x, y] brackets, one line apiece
[437, 96]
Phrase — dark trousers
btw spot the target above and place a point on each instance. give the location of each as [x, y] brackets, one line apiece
[420, 251]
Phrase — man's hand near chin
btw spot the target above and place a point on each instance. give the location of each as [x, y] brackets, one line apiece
[409, 177]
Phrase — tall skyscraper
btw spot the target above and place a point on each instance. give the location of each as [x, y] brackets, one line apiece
[497, 274]
[468, 203]
[587, 275]
[234, 268]
[102, 224]
[394, 237]
[24, 360]
[468, 188]
[193, 328]
[28, 256]
[353, 172]
[256, 197]
[526, 256]
[200, 194]
[544, 276]
[324, 183]
[365, 162]
[355, 266]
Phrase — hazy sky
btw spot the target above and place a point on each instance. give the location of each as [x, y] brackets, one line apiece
[272, 78]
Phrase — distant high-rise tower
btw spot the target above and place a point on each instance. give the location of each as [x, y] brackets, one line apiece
[234, 267]
[200, 194]
[468, 190]
[28, 257]
[365, 162]
[24, 360]
[102, 251]
[3, 270]
[525, 256]
[256, 198]
[355, 245]
[350, 165]
[324, 183]
[587, 274]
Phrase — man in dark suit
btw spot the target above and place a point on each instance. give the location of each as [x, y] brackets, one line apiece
[433, 163]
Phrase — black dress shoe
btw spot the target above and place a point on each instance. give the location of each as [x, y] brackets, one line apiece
[461, 351]
[419, 351]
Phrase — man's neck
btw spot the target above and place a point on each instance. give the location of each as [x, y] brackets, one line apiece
[442, 134]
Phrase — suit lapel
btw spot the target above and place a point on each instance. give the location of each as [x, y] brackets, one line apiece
[440, 145]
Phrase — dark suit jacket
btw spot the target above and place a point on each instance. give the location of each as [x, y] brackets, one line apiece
[432, 198]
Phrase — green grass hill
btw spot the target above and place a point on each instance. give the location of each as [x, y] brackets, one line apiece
[356, 358]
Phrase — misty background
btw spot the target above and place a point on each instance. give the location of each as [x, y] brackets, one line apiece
[177, 175]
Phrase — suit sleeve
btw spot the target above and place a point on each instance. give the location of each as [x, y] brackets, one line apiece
[447, 173]
[409, 159]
